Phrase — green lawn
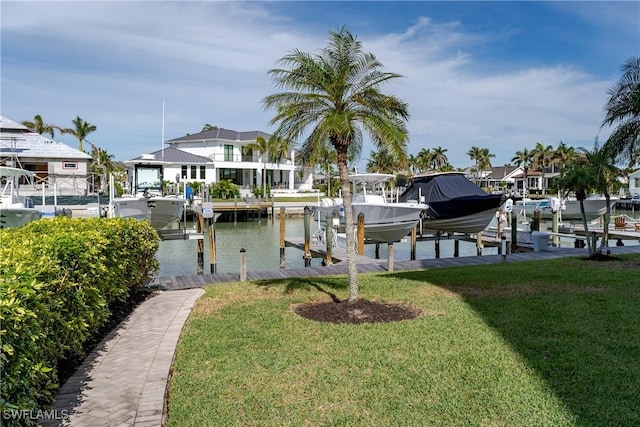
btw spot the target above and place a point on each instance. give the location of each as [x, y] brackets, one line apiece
[548, 343]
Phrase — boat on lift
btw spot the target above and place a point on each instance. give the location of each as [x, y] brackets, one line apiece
[15, 210]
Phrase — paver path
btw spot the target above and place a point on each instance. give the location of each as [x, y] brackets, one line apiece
[123, 381]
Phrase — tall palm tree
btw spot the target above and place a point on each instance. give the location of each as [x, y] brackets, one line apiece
[601, 162]
[438, 158]
[484, 161]
[423, 160]
[335, 92]
[523, 158]
[382, 161]
[262, 146]
[475, 154]
[38, 126]
[563, 156]
[541, 159]
[81, 130]
[623, 110]
[579, 179]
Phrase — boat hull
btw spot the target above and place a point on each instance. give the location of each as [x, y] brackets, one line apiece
[594, 208]
[472, 223]
[385, 223]
[163, 212]
[17, 217]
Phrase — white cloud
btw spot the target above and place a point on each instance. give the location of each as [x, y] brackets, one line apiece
[114, 63]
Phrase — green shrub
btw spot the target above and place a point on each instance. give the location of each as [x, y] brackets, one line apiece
[224, 189]
[57, 279]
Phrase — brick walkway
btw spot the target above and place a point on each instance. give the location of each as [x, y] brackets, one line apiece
[123, 382]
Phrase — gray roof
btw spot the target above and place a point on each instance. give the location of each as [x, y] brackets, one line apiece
[170, 155]
[18, 140]
[221, 134]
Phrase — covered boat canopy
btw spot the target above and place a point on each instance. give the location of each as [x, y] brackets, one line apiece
[7, 171]
[449, 195]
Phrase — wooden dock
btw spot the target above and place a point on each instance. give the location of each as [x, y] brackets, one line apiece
[373, 266]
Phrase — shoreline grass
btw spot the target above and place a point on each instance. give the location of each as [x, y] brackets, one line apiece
[532, 343]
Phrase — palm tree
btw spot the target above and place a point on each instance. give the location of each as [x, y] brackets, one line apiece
[208, 127]
[81, 130]
[382, 162]
[601, 162]
[562, 156]
[438, 158]
[261, 145]
[484, 161]
[423, 160]
[623, 110]
[523, 158]
[336, 94]
[38, 126]
[475, 153]
[580, 180]
[541, 159]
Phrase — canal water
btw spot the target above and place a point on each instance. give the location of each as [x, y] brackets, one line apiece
[260, 239]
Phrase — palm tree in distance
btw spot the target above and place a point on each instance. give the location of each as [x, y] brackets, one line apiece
[261, 145]
[541, 159]
[38, 126]
[335, 92]
[623, 109]
[523, 158]
[80, 131]
[475, 153]
[381, 162]
[208, 127]
[438, 158]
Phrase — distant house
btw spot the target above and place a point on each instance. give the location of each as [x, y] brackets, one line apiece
[218, 154]
[54, 163]
[634, 184]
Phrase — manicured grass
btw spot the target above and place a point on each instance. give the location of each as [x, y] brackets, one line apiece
[548, 343]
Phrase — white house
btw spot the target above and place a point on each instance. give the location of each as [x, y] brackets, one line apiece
[634, 184]
[218, 154]
[54, 163]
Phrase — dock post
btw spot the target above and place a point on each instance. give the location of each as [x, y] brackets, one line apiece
[307, 236]
[243, 265]
[535, 225]
[377, 254]
[213, 256]
[328, 258]
[235, 209]
[360, 233]
[282, 230]
[272, 208]
[259, 209]
[414, 236]
[479, 244]
[437, 245]
[554, 227]
[456, 248]
[390, 258]
[503, 248]
[200, 230]
[514, 233]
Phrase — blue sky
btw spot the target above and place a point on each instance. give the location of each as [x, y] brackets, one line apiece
[497, 75]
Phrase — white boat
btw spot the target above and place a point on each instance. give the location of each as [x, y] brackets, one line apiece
[455, 204]
[569, 209]
[164, 212]
[15, 211]
[384, 221]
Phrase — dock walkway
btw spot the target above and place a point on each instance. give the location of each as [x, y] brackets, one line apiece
[372, 266]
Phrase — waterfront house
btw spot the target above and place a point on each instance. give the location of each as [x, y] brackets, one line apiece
[634, 184]
[219, 154]
[55, 164]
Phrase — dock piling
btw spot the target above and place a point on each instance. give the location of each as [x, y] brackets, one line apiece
[307, 236]
[360, 233]
[414, 239]
[282, 232]
[213, 258]
[243, 265]
[390, 257]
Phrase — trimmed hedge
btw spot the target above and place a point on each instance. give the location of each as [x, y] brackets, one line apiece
[57, 279]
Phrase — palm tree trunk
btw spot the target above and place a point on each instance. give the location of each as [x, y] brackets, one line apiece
[586, 228]
[351, 241]
[605, 222]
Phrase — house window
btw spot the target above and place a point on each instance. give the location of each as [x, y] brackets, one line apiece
[184, 172]
[193, 172]
[228, 153]
[234, 175]
[69, 165]
[202, 172]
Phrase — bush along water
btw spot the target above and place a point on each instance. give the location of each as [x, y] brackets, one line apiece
[57, 279]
